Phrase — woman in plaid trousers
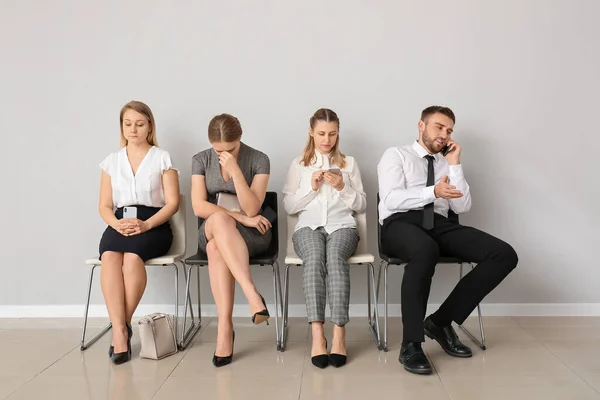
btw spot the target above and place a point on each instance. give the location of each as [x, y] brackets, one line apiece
[324, 188]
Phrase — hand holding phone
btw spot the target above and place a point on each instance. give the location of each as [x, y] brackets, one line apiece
[334, 177]
[317, 180]
[446, 149]
[452, 152]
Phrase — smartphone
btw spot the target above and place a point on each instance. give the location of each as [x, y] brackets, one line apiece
[336, 171]
[269, 214]
[446, 149]
[129, 212]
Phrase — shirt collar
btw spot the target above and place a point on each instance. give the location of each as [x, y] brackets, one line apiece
[420, 150]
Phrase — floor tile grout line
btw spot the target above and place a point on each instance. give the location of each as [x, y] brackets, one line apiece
[186, 351]
[304, 358]
[437, 373]
[39, 373]
[566, 365]
[556, 356]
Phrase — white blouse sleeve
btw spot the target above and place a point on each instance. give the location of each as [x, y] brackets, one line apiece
[353, 194]
[108, 164]
[296, 197]
[165, 162]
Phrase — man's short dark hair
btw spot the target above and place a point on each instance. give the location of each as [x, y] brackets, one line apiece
[438, 109]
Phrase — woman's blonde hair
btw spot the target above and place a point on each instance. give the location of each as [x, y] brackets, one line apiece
[143, 109]
[335, 156]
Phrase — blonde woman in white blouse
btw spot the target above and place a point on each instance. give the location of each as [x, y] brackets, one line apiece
[140, 177]
[324, 188]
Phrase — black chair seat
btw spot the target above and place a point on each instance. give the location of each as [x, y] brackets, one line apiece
[200, 258]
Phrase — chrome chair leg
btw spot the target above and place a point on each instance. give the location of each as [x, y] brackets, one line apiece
[385, 306]
[479, 342]
[276, 287]
[187, 336]
[373, 318]
[286, 295]
[84, 345]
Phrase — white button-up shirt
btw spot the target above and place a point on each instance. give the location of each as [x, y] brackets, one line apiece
[145, 187]
[326, 207]
[402, 174]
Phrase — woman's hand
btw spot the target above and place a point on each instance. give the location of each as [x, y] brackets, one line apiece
[335, 180]
[132, 226]
[317, 180]
[259, 222]
[229, 163]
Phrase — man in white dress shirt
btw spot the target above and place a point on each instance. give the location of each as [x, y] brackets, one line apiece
[418, 186]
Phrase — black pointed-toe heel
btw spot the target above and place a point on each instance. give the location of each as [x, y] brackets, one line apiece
[120, 358]
[222, 361]
[322, 360]
[261, 316]
[111, 349]
[337, 360]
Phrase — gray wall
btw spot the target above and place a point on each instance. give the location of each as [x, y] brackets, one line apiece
[522, 77]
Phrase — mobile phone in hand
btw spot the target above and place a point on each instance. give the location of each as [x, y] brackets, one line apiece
[336, 171]
[129, 212]
[446, 149]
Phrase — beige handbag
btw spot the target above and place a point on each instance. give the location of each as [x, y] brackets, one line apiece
[158, 336]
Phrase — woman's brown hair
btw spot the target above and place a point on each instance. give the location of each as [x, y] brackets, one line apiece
[143, 109]
[224, 128]
[335, 156]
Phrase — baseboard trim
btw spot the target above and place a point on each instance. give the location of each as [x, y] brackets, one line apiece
[299, 310]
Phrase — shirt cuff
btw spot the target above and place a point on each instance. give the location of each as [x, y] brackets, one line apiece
[455, 170]
[428, 194]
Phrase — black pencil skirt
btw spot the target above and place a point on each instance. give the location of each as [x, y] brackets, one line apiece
[151, 244]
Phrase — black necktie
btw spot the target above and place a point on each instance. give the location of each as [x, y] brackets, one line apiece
[428, 209]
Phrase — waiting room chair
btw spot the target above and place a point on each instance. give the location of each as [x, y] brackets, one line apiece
[200, 259]
[171, 259]
[387, 260]
[360, 257]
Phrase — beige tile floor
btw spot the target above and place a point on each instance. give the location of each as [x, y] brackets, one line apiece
[527, 358]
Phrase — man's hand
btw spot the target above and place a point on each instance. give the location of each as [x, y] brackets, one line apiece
[453, 156]
[445, 190]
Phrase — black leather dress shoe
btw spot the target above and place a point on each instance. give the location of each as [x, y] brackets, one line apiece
[447, 338]
[414, 359]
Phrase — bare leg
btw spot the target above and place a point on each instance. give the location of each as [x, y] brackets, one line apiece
[222, 285]
[319, 343]
[338, 345]
[221, 228]
[134, 274]
[113, 290]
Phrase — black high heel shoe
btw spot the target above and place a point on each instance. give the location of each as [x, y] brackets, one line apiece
[222, 361]
[120, 358]
[111, 349]
[261, 316]
[337, 360]
[322, 360]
